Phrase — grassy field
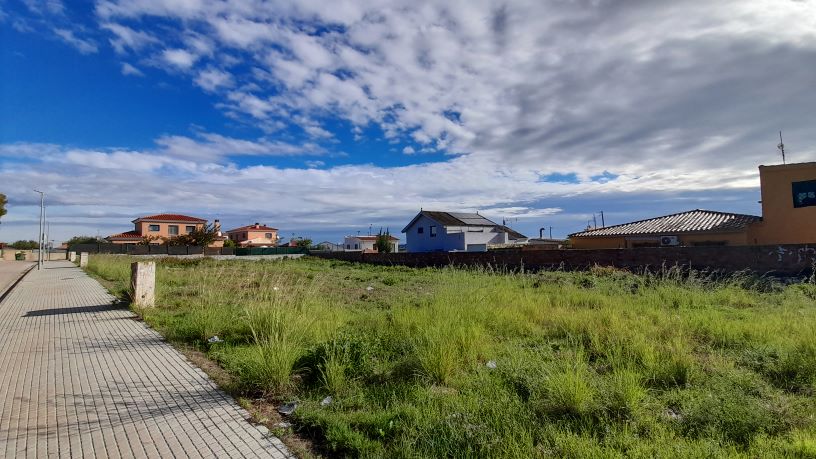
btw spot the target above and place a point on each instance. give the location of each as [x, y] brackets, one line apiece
[466, 363]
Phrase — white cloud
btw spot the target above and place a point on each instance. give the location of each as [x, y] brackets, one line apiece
[179, 58]
[128, 69]
[127, 38]
[212, 79]
[408, 150]
[83, 45]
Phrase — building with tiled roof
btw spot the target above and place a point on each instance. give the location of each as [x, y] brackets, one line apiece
[156, 229]
[695, 227]
[788, 217]
[256, 235]
[435, 231]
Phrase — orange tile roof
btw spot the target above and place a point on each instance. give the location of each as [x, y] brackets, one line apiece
[170, 218]
[697, 220]
[126, 235]
[251, 228]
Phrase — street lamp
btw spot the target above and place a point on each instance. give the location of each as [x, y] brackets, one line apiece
[42, 222]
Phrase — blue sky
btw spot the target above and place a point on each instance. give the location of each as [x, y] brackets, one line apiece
[324, 121]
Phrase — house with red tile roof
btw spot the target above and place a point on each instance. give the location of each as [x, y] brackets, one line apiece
[161, 227]
[256, 235]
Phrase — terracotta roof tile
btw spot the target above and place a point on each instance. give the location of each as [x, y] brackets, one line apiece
[252, 228]
[126, 235]
[170, 218]
[684, 222]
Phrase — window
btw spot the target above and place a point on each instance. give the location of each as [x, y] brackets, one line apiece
[420, 230]
[189, 229]
[356, 246]
[172, 230]
[153, 227]
[433, 230]
[348, 246]
[268, 235]
[804, 194]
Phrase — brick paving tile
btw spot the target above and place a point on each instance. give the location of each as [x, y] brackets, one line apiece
[79, 377]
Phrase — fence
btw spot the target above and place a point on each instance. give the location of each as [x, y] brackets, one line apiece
[132, 249]
[271, 251]
[791, 259]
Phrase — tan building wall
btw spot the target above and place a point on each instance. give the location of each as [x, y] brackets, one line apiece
[782, 222]
[621, 242]
[164, 228]
[250, 234]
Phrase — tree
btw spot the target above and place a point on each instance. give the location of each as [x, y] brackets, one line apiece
[76, 240]
[25, 245]
[203, 237]
[229, 243]
[303, 243]
[383, 243]
[3, 202]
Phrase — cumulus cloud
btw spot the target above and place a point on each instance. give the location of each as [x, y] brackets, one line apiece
[179, 58]
[125, 38]
[128, 69]
[83, 45]
[212, 79]
[631, 100]
[584, 87]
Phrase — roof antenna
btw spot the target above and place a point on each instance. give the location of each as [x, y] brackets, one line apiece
[781, 147]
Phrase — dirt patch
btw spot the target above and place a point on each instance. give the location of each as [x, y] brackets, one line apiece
[262, 411]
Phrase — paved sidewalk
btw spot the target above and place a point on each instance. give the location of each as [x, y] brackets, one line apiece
[81, 378]
[10, 271]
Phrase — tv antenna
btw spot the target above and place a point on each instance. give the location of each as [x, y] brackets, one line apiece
[781, 147]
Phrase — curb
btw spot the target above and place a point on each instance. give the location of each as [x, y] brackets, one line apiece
[5, 293]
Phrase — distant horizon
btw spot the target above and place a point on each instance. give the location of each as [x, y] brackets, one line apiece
[322, 121]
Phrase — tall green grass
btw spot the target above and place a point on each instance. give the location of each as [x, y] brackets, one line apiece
[602, 363]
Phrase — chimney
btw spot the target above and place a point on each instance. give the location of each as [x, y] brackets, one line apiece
[217, 226]
[257, 225]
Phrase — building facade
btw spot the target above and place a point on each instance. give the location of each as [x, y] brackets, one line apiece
[161, 227]
[433, 231]
[256, 235]
[788, 205]
[366, 244]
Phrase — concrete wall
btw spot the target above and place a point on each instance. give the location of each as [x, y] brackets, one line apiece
[777, 259]
[782, 223]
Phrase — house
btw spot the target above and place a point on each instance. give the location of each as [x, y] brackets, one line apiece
[695, 227]
[788, 217]
[330, 246]
[366, 243]
[433, 231]
[256, 235]
[162, 227]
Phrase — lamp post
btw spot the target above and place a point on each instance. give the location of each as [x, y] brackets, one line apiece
[40, 236]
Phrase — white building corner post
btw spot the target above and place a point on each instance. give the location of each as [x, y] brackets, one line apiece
[72, 256]
[83, 259]
[143, 283]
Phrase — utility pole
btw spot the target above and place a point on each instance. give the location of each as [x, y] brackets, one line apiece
[551, 232]
[594, 221]
[603, 224]
[40, 235]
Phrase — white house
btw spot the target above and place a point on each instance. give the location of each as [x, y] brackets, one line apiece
[433, 231]
[365, 243]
